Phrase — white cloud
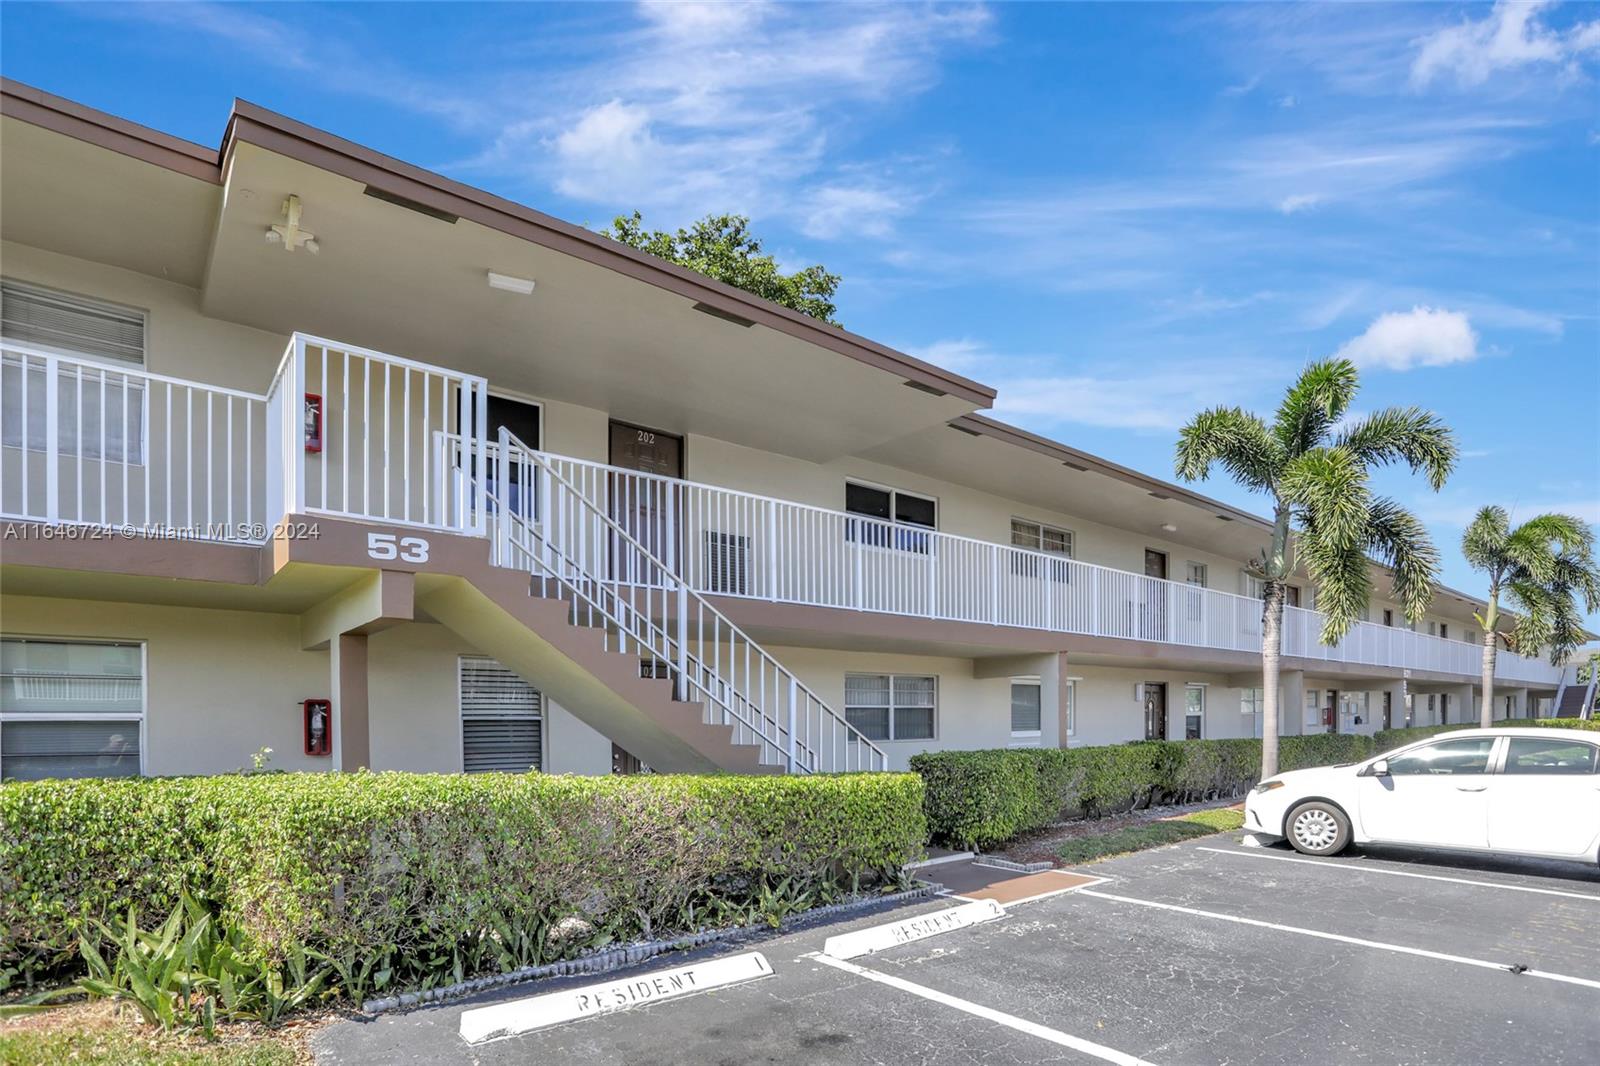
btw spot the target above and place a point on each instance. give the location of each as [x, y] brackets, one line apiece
[718, 107]
[1510, 37]
[1298, 202]
[1423, 336]
[844, 210]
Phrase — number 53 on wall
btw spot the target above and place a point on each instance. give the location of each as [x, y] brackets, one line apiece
[385, 546]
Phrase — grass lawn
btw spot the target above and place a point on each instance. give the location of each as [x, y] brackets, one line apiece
[95, 1034]
[1149, 835]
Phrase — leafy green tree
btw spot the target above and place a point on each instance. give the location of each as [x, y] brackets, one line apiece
[1322, 507]
[722, 247]
[1542, 568]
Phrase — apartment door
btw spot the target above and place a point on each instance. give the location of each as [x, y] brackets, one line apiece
[1155, 710]
[1153, 597]
[649, 508]
[1388, 707]
[523, 419]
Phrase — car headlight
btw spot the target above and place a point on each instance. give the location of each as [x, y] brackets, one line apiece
[1267, 786]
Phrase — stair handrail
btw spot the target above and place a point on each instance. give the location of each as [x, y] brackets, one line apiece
[802, 756]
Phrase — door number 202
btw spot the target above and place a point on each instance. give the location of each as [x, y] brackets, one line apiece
[384, 546]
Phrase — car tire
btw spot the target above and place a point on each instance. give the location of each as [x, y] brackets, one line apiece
[1317, 827]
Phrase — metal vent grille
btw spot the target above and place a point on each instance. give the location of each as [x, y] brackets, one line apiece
[727, 563]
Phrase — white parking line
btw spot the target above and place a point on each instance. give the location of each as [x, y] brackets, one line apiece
[1021, 1025]
[1358, 941]
[1402, 873]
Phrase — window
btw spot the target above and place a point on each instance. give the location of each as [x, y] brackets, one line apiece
[1531, 755]
[1026, 707]
[1038, 537]
[502, 719]
[1252, 586]
[898, 517]
[1433, 629]
[70, 709]
[1444, 630]
[1194, 712]
[1250, 701]
[1313, 710]
[1072, 705]
[1195, 573]
[1291, 595]
[50, 320]
[891, 706]
[99, 406]
[1447, 757]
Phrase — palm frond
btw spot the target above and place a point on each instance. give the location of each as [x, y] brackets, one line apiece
[1404, 434]
[1342, 578]
[1483, 544]
[1396, 538]
[1327, 487]
[1232, 437]
[1317, 399]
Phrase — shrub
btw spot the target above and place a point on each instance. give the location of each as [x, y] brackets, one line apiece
[1385, 739]
[982, 798]
[412, 878]
[977, 799]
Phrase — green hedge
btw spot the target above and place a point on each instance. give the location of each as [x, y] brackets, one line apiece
[416, 870]
[1385, 739]
[983, 798]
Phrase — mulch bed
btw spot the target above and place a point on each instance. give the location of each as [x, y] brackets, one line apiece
[1041, 845]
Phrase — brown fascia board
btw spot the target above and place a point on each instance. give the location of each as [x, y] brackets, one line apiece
[60, 115]
[252, 124]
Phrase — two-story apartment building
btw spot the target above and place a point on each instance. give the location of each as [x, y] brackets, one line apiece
[308, 449]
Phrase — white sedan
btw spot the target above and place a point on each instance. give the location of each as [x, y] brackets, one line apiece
[1513, 791]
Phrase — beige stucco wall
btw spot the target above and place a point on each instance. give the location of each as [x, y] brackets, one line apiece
[223, 684]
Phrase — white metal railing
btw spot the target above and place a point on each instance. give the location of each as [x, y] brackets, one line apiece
[731, 543]
[88, 443]
[540, 521]
[363, 434]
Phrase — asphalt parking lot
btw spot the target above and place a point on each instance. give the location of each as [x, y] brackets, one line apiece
[1204, 952]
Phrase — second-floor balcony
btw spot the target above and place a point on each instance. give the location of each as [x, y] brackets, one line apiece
[348, 432]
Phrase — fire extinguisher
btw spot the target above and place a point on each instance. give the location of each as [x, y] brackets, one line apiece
[318, 724]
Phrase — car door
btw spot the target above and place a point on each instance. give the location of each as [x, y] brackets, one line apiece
[1435, 795]
[1546, 798]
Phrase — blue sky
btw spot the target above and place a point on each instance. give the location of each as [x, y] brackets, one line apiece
[1114, 214]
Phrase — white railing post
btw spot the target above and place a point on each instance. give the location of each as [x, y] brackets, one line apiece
[296, 409]
[502, 486]
[683, 639]
[793, 693]
[52, 443]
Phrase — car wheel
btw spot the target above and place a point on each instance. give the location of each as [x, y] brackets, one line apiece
[1318, 828]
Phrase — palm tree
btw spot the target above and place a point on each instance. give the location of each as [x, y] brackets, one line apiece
[1542, 567]
[1316, 475]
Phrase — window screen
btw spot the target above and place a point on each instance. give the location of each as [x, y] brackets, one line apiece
[44, 318]
[891, 706]
[70, 709]
[1025, 707]
[502, 719]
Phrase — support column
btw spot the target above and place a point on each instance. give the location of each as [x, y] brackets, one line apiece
[347, 659]
[1054, 686]
[1396, 692]
[1519, 702]
[1470, 711]
[1292, 708]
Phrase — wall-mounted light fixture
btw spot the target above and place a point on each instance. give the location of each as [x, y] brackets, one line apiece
[1168, 527]
[289, 232]
[507, 283]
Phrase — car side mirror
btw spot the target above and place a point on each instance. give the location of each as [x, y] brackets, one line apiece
[1379, 769]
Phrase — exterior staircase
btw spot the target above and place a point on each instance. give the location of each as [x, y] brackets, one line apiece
[1575, 698]
[609, 631]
